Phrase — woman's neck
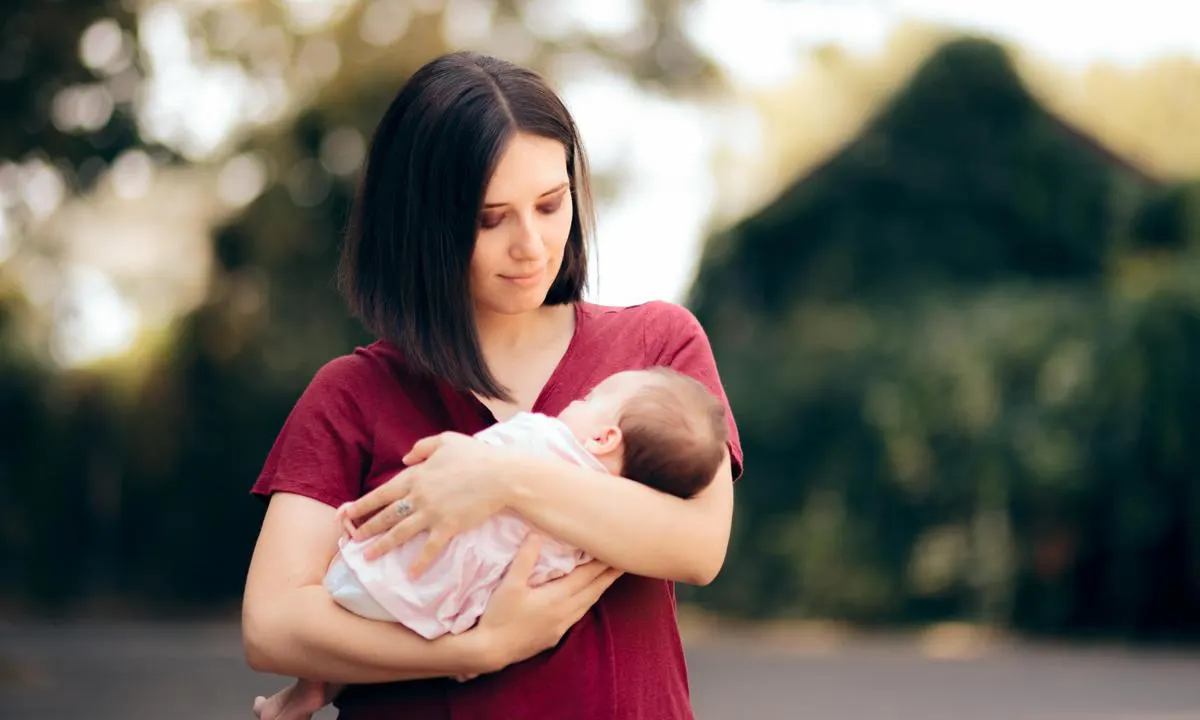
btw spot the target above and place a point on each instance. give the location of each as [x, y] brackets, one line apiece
[522, 353]
[516, 334]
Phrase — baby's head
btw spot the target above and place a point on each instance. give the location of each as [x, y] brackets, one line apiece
[655, 426]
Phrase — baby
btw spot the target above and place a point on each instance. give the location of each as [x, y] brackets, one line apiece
[654, 426]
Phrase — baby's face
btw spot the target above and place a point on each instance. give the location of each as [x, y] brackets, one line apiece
[602, 406]
[593, 419]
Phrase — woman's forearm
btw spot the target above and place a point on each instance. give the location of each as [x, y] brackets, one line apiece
[305, 634]
[626, 524]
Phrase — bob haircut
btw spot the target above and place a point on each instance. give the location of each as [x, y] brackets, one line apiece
[406, 257]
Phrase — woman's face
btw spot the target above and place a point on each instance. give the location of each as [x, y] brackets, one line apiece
[523, 227]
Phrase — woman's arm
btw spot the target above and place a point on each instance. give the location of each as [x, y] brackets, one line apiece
[455, 482]
[624, 523]
[451, 485]
[290, 626]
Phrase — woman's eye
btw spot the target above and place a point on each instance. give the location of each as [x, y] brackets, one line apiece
[551, 207]
[490, 220]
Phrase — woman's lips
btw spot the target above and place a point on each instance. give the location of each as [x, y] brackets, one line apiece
[524, 280]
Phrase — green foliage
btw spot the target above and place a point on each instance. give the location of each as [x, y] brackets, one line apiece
[1166, 219]
[1005, 455]
[962, 179]
[40, 56]
[961, 354]
[142, 492]
[961, 394]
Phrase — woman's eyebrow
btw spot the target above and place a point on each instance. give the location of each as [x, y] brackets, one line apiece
[557, 188]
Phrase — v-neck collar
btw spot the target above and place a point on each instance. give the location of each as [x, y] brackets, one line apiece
[546, 393]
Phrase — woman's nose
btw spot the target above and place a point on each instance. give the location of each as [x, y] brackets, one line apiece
[527, 241]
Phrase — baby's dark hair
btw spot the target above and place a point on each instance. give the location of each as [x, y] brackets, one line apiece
[674, 432]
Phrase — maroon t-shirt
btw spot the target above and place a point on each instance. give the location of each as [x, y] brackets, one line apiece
[363, 412]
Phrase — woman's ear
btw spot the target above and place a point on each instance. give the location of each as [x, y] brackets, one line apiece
[605, 440]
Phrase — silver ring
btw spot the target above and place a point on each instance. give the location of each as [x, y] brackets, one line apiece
[404, 508]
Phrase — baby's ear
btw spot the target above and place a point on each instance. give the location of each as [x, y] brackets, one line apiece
[605, 440]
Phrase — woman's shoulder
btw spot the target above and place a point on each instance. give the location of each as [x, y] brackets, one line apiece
[659, 325]
[654, 314]
[362, 371]
[353, 366]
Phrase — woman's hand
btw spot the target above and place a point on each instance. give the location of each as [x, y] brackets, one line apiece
[450, 486]
[521, 621]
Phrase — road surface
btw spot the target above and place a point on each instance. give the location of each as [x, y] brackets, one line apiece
[196, 672]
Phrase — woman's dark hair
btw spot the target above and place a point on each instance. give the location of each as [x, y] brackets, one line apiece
[407, 252]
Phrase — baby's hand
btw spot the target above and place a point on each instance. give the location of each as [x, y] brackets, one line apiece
[342, 517]
[297, 702]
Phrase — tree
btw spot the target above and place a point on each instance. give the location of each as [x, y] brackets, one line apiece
[957, 399]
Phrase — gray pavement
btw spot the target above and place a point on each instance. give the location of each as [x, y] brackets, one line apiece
[196, 671]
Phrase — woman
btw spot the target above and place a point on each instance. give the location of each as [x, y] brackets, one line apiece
[467, 257]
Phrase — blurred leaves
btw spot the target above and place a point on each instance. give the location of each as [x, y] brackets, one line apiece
[955, 402]
[961, 179]
[961, 351]
[150, 460]
[68, 72]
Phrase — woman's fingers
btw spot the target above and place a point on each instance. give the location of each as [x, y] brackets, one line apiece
[344, 520]
[509, 601]
[528, 620]
[523, 563]
[384, 520]
[425, 447]
[580, 578]
[438, 540]
[401, 532]
[590, 594]
[574, 593]
[602, 583]
[526, 558]
[382, 496]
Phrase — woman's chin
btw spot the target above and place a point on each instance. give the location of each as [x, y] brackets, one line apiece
[516, 303]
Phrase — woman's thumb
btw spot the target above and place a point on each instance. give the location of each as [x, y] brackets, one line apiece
[527, 555]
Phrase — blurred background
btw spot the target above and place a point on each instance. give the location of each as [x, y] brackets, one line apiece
[947, 253]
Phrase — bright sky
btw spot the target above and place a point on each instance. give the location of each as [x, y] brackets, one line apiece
[757, 39]
[649, 239]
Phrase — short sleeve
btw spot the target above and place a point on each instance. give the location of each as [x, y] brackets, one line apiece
[683, 346]
[324, 448]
